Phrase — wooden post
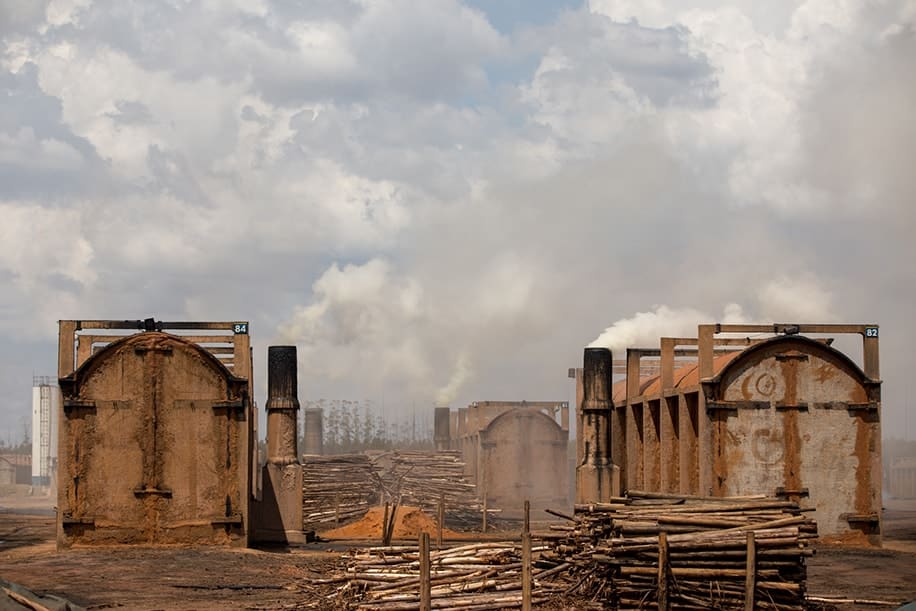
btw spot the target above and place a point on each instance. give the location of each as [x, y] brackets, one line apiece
[527, 529]
[425, 586]
[483, 520]
[385, 525]
[750, 582]
[526, 569]
[441, 520]
[392, 520]
[65, 352]
[663, 572]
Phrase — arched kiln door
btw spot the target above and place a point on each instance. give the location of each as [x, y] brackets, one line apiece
[152, 431]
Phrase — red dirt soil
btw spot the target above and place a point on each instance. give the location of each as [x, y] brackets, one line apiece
[409, 523]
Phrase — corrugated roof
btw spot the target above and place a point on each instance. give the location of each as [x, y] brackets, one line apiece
[685, 378]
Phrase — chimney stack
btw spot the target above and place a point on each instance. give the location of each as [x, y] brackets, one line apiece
[313, 435]
[279, 515]
[597, 480]
[441, 431]
[282, 405]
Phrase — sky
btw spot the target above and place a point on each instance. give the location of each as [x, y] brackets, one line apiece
[441, 201]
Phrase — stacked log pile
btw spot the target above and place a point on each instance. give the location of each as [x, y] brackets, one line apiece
[423, 479]
[477, 576]
[340, 488]
[337, 489]
[656, 551]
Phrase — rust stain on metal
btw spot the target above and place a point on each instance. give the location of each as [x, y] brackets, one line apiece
[791, 437]
[789, 415]
[863, 465]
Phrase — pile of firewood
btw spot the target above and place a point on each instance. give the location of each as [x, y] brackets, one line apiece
[652, 550]
[337, 489]
[424, 479]
[341, 488]
[477, 576]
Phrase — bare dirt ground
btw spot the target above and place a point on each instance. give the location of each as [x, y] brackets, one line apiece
[209, 578]
[888, 573]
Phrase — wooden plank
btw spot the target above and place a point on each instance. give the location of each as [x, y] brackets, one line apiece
[663, 604]
[440, 521]
[66, 348]
[750, 582]
[425, 586]
[526, 569]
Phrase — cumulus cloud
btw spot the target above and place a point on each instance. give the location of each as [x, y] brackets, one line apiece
[45, 263]
[437, 209]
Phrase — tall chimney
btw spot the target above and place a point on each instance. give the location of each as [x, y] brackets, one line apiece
[313, 437]
[596, 478]
[441, 428]
[282, 405]
[279, 513]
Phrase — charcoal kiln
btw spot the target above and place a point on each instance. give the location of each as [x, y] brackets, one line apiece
[786, 415]
[157, 433]
[516, 451]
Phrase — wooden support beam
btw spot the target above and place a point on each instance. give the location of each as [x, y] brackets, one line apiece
[663, 604]
[66, 348]
[750, 582]
[526, 569]
[425, 586]
[440, 521]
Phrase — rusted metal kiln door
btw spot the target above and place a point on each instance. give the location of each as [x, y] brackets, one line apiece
[797, 419]
[151, 446]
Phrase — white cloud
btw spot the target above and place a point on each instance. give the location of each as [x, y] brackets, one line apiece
[36, 241]
[767, 58]
[492, 200]
[63, 12]
[23, 149]
[199, 117]
[46, 263]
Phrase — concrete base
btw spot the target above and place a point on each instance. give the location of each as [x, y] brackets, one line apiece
[597, 484]
[279, 513]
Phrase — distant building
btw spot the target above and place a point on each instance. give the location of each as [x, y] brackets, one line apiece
[45, 406]
[7, 472]
[513, 451]
[23, 465]
[902, 484]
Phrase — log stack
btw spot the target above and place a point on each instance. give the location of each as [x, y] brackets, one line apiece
[643, 551]
[667, 551]
[337, 489]
[423, 479]
[477, 576]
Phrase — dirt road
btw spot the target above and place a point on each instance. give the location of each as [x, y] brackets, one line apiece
[217, 578]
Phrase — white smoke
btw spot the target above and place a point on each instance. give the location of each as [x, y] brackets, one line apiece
[799, 300]
[374, 328]
[461, 374]
[644, 328]
[783, 299]
[359, 325]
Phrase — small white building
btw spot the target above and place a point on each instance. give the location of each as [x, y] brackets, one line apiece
[45, 409]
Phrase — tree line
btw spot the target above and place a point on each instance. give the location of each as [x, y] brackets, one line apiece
[359, 425]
